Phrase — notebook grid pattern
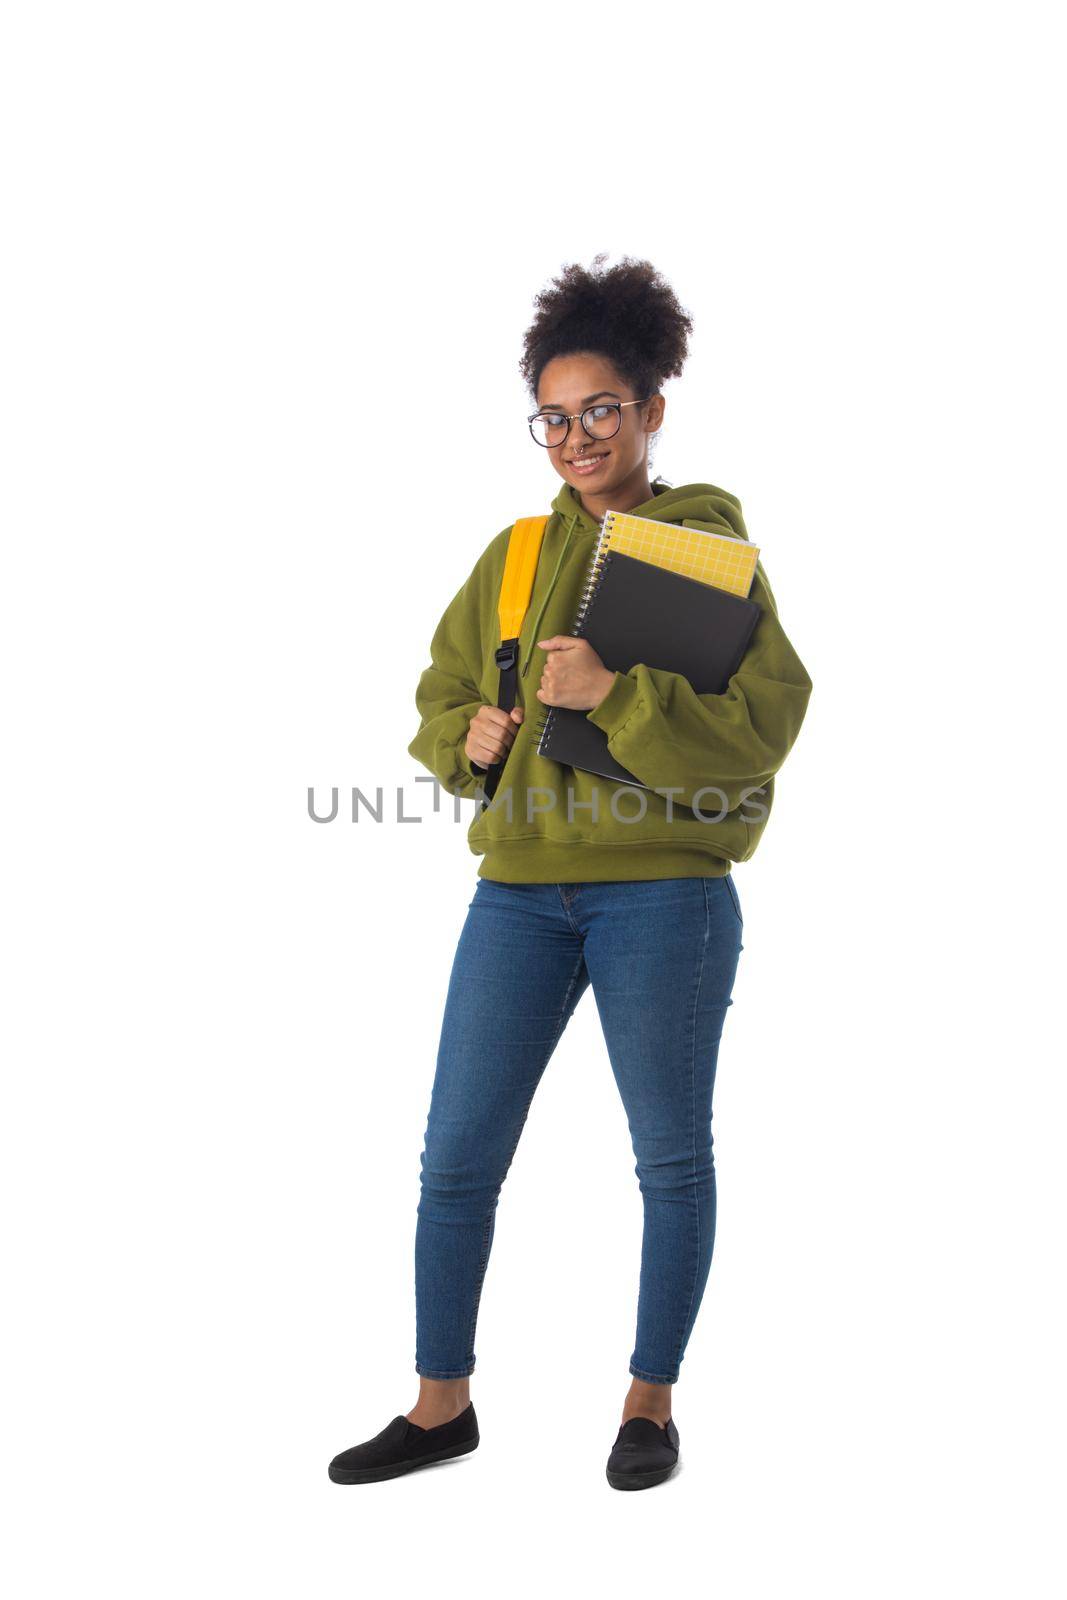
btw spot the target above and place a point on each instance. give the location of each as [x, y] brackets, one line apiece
[721, 560]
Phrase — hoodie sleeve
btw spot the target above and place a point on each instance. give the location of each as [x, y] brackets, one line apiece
[670, 737]
[447, 695]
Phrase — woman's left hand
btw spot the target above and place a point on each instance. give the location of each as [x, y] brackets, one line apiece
[574, 675]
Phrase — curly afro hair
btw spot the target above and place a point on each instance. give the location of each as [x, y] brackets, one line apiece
[627, 313]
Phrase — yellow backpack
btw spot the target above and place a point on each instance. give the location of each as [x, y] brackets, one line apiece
[516, 587]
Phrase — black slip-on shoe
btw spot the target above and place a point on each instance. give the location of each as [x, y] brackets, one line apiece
[643, 1454]
[402, 1446]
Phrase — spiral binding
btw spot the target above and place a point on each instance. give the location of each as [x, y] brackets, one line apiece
[593, 579]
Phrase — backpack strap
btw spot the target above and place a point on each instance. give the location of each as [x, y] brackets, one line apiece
[516, 587]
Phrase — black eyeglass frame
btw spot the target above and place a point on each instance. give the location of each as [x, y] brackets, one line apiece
[579, 416]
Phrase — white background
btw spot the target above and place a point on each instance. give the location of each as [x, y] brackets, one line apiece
[267, 274]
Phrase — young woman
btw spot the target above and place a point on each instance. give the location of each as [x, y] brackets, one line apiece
[583, 884]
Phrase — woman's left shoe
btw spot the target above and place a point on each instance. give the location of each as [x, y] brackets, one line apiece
[643, 1454]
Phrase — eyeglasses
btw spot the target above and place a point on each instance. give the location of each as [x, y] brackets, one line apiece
[602, 421]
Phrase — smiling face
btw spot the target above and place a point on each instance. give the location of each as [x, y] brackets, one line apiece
[605, 472]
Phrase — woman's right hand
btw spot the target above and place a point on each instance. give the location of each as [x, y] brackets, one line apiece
[491, 734]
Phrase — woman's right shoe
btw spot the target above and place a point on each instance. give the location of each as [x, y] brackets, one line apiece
[402, 1446]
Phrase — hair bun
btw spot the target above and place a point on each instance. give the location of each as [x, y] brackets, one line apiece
[628, 313]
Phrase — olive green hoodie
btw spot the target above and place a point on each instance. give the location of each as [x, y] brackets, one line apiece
[710, 758]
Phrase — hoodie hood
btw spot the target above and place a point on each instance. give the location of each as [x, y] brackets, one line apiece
[701, 504]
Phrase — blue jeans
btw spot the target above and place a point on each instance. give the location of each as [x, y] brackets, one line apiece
[661, 955]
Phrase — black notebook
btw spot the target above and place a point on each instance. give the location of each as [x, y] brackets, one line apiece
[634, 612]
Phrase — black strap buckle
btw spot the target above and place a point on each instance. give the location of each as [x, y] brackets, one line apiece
[507, 655]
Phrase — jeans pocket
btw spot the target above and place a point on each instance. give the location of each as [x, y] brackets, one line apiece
[728, 879]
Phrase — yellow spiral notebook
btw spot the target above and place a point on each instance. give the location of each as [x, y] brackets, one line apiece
[720, 559]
